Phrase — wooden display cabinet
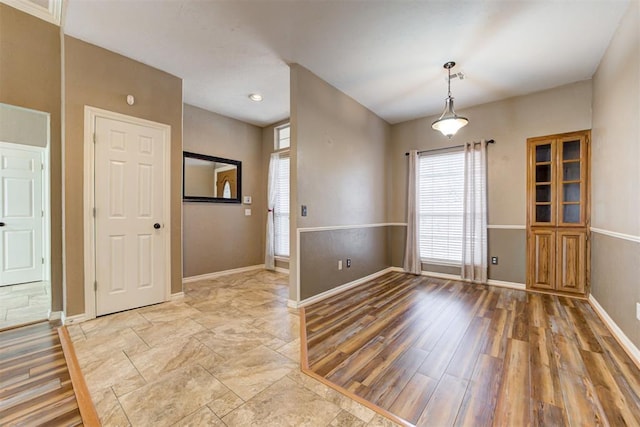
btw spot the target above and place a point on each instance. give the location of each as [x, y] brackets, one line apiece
[558, 213]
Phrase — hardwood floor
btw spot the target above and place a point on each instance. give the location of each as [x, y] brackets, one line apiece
[35, 385]
[438, 353]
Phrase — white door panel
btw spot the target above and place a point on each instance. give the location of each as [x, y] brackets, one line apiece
[129, 196]
[21, 216]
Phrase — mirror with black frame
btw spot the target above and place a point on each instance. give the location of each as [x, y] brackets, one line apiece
[210, 179]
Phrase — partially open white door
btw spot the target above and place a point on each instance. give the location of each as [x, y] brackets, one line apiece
[130, 236]
[21, 215]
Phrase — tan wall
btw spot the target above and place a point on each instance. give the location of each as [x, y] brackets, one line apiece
[218, 236]
[100, 78]
[341, 156]
[338, 168]
[30, 78]
[22, 126]
[509, 122]
[321, 250]
[616, 176]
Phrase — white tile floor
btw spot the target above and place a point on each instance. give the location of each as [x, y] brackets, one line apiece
[24, 303]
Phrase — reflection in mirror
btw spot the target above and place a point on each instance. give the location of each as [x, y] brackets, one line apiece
[211, 179]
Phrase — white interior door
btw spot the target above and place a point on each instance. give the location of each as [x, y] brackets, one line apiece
[129, 230]
[21, 216]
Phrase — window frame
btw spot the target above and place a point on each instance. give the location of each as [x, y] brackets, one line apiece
[285, 152]
[459, 188]
[277, 139]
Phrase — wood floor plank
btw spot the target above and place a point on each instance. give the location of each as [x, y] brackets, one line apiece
[413, 398]
[512, 407]
[546, 414]
[545, 385]
[614, 404]
[479, 402]
[465, 357]
[445, 402]
[581, 402]
[624, 371]
[35, 384]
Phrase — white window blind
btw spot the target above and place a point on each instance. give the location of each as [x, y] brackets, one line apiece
[281, 208]
[440, 206]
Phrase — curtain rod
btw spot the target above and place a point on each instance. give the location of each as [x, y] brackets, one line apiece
[491, 141]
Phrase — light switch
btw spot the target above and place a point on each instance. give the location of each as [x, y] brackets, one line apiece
[247, 200]
[247, 212]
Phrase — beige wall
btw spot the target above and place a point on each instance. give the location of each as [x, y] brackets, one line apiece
[616, 176]
[341, 156]
[30, 78]
[338, 169]
[321, 250]
[218, 236]
[22, 126]
[100, 78]
[509, 122]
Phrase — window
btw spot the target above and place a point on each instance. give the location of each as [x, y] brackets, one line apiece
[281, 208]
[440, 206]
[282, 139]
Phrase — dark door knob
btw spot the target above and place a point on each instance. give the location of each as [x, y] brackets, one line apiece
[2, 224]
[156, 225]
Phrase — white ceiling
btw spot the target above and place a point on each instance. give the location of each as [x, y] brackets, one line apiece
[387, 55]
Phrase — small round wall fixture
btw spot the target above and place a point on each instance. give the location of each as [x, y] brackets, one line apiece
[131, 100]
[449, 122]
[256, 97]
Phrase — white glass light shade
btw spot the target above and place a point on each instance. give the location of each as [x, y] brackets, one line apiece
[449, 122]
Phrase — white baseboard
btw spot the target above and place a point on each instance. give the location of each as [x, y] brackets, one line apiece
[628, 346]
[442, 275]
[342, 288]
[292, 304]
[217, 274]
[71, 320]
[282, 270]
[510, 285]
[55, 315]
[177, 296]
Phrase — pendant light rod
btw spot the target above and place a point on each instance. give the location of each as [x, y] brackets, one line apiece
[449, 122]
[449, 65]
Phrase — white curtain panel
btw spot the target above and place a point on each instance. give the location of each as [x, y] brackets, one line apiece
[474, 226]
[412, 248]
[272, 188]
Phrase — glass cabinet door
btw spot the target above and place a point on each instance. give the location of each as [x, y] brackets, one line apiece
[571, 181]
[542, 190]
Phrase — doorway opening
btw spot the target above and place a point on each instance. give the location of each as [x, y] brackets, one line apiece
[25, 270]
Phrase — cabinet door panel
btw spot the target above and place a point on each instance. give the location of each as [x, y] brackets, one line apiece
[542, 263]
[572, 180]
[572, 259]
[541, 191]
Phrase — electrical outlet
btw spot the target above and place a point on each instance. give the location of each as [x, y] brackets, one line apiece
[348, 262]
[638, 310]
[339, 264]
[494, 260]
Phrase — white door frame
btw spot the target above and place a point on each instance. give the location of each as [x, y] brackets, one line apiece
[90, 115]
[46, 185]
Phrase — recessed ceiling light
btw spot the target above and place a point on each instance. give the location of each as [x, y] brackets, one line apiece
[255, 97]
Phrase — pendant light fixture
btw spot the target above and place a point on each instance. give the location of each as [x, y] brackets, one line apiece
[449, 122]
